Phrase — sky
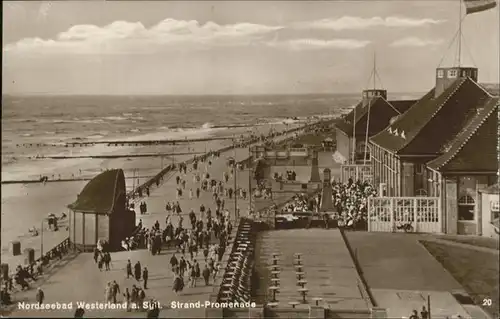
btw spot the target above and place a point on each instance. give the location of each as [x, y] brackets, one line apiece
[232, 47]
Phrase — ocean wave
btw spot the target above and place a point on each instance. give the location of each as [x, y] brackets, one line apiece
[116, 118]
[95, 136]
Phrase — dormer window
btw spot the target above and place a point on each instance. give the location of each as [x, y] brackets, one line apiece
[440, 74]
[452, 73]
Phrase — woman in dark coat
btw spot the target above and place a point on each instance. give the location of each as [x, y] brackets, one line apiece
[178, 284]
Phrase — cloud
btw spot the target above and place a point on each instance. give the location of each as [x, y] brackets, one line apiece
[316, 44]
[358, 23]
[122, 36]
[415, 42]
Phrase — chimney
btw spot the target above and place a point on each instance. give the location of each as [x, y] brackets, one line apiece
[371, 94]
[446, 76]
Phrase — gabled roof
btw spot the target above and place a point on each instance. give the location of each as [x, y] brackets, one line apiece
[483, 148]
[433, 121]
[101, 193]
[381, 112]
[402, 105]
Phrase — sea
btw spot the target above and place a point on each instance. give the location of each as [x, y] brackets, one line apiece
[34, 126]
[61, 119]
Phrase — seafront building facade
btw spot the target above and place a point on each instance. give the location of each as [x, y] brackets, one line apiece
[444, 146]
[373, 113]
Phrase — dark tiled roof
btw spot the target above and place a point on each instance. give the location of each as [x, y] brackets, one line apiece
[101, 193]
[402, 105]
[380, 114]
[473, 148]
[433, 122]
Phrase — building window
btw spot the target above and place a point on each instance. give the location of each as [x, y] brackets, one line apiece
[466, 207]
[419, 169]
[440, 74]
[452, 73]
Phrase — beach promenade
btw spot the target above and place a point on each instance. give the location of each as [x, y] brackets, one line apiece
[35, 201]
[80, 279]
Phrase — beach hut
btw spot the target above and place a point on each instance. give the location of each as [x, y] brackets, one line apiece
[100, 212]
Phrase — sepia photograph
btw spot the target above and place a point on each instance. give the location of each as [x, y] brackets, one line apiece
[250, 159]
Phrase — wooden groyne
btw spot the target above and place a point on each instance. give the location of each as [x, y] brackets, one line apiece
[128, 142]
[73, 179]
[116, 155]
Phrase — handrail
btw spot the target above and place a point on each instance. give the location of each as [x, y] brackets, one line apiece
[59, 250]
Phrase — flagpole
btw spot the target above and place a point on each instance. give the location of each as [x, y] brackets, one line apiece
[460, 35]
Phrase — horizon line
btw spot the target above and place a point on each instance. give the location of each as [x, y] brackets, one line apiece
[183, 95]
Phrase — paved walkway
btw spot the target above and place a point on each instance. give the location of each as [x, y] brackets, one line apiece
[167, 192]
[399, 261]
[460, 245]
[329, 270]
[80, 280]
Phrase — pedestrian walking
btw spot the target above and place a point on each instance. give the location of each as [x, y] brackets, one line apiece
[126, 299]
[40, 296]
[145, 276]
[129, 269]
[137, 270]
[115, 290]
[206, 274]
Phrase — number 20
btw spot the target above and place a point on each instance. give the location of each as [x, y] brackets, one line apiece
[487, 302]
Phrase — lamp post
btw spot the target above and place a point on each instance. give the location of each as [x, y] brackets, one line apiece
[41, 239]
[250, 193]
[235, 182]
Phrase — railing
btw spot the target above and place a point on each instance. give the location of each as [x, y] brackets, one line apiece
[157, 178]
[356, 172]
[59, 251]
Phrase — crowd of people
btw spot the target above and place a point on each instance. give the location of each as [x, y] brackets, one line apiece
[351, 203]
[154, 239]
[290, 175]
[207, 235]
[302, 203]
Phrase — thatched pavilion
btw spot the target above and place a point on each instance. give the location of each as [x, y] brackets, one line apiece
[100, 212]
